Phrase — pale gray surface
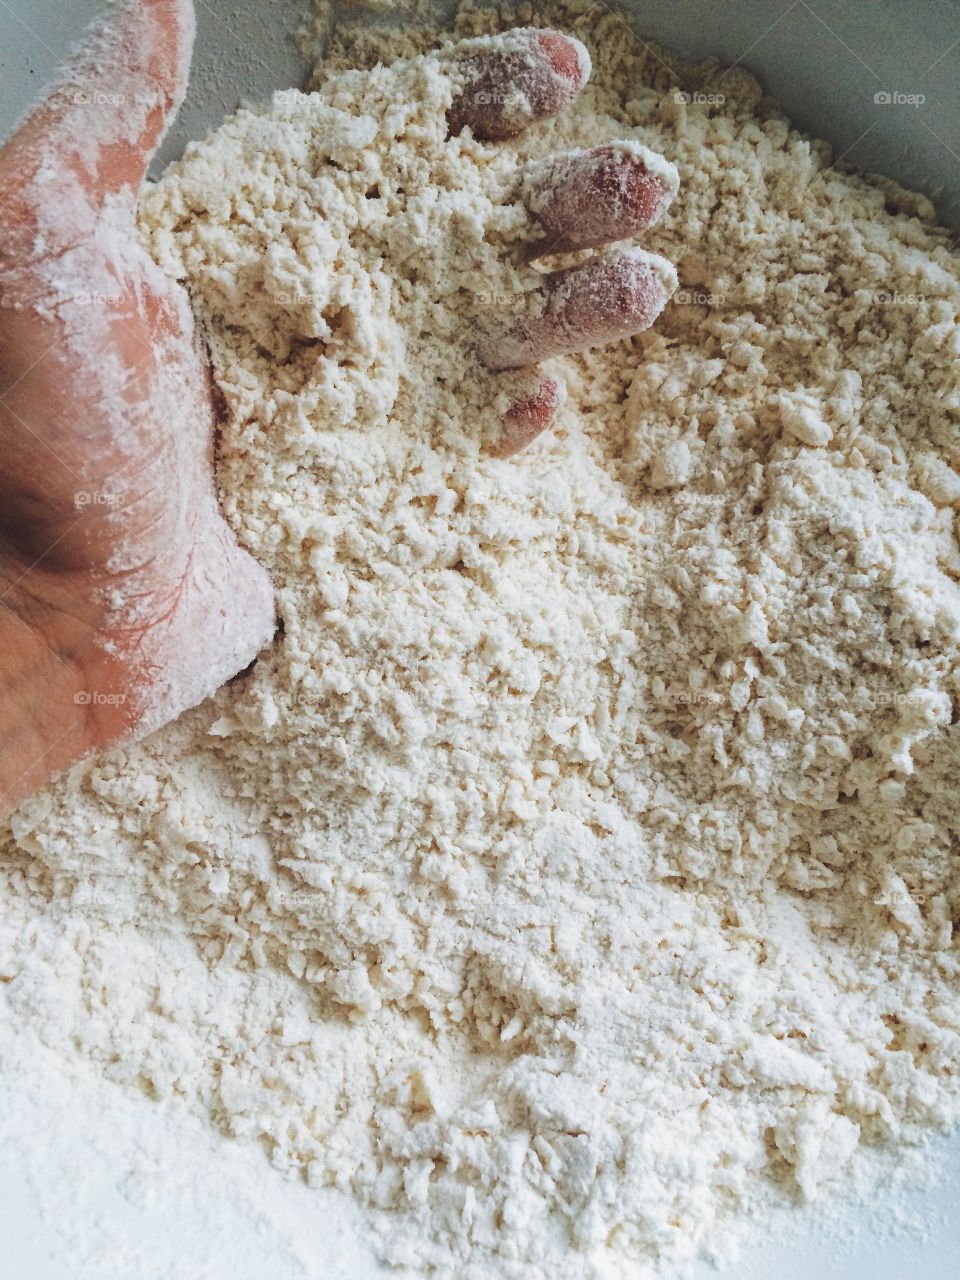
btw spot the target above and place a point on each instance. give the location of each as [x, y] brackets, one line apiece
[824, 59]
[244, 51]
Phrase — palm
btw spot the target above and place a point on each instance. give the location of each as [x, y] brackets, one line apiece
[76, 496]
[107, 493]
[113, 554]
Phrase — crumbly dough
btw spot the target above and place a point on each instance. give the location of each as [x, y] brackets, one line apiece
[578, 869]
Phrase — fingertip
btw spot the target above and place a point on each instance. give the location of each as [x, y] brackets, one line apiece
[528, 416]
[513, 80]
[119, 90]
[584, 199]
[604, 299]
[568, 57]
[174, 32]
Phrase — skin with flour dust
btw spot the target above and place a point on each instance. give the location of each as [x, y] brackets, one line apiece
[125, 596]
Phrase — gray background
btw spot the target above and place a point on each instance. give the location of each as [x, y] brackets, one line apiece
[824, 59]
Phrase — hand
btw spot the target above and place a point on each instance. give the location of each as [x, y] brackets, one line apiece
[124, 596]
[580, 199]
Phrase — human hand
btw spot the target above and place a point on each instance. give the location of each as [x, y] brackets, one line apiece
[124, 596]
[580, 200]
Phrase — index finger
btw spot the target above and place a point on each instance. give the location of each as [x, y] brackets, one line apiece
[512, 80]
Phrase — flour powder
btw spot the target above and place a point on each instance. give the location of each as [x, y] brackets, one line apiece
[578, 867]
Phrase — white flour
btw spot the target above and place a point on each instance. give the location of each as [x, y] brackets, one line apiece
[578, 868]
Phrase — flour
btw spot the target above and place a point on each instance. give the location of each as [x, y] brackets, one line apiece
[577, 871]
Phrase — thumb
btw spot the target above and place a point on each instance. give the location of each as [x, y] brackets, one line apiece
[97, 129]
